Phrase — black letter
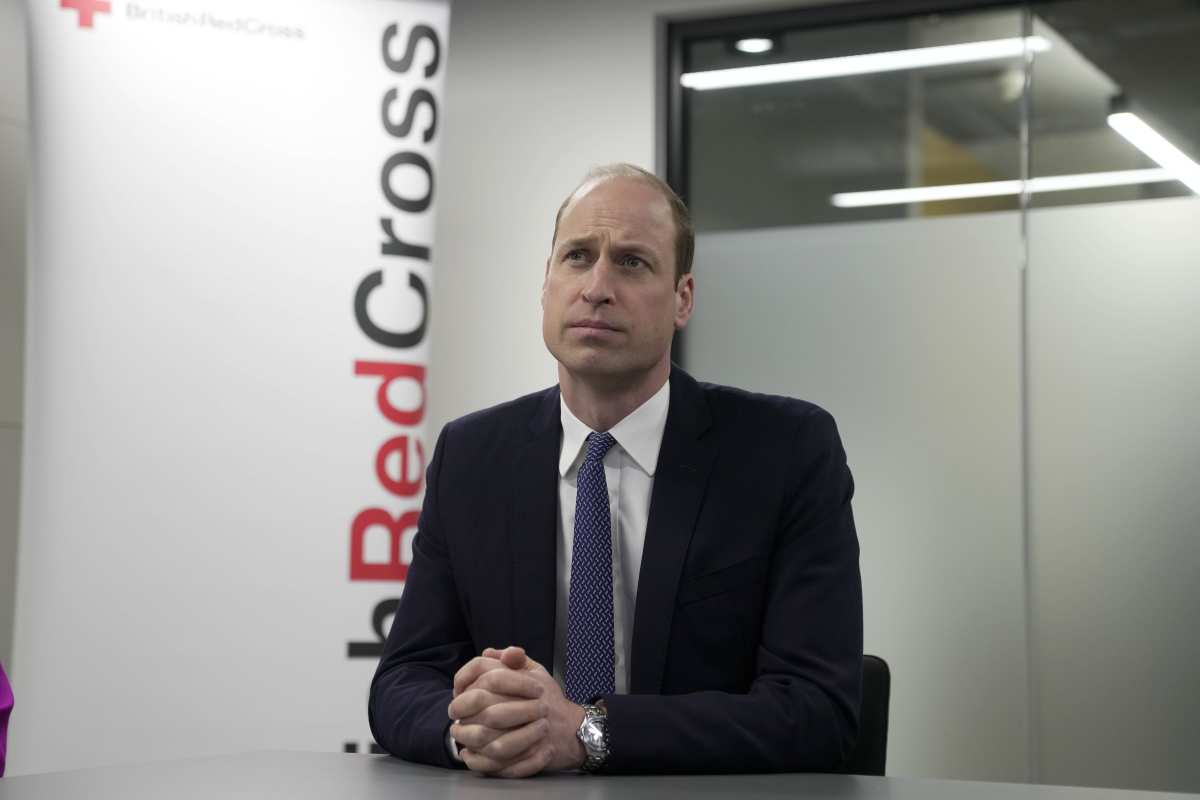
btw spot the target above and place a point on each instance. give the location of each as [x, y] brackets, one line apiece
[373, 649]
[419, 96]
[418, 32]
[397, 247]
[378, 334]
[402, 203]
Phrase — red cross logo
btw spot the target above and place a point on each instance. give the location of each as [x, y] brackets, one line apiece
[86, 9]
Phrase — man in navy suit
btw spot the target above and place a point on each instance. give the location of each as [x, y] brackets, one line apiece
[631, 571]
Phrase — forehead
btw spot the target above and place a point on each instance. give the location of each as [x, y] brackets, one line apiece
[622, 207]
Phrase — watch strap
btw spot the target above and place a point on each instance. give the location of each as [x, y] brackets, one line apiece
[596, 717]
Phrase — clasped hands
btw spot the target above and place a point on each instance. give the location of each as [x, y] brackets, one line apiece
[511, 718]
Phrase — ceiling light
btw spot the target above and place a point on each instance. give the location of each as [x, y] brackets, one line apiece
[755, 45]
[866, 63]
[1154, 145]
[963, 191]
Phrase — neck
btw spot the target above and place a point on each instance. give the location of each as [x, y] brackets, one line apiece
[601, 404]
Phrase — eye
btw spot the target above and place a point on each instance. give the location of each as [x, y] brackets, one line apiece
[575, 256]
[632, 261]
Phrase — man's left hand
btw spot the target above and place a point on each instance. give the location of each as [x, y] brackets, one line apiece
[498, 742]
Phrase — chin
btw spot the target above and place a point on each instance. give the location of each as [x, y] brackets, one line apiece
[601, 371]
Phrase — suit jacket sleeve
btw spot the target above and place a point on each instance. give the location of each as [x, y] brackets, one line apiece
[428, 642]
[801, 710]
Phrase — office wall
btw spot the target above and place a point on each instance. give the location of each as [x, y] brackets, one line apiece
[908, 332]
[14, 141]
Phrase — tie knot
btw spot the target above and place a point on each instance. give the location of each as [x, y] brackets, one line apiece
[597, 445]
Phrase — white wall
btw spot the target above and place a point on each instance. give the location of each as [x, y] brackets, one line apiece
[14, 141]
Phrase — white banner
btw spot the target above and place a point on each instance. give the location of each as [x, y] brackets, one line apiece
[230, 271]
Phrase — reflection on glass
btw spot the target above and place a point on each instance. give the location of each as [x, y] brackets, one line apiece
[883, 105]
[922, 117]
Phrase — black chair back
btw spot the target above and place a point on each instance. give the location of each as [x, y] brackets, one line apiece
[870, 753]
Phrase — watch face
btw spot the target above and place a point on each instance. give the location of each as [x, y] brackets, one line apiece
[592, 736]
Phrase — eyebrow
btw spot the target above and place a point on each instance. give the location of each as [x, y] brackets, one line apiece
[634, 246]
[577, 241]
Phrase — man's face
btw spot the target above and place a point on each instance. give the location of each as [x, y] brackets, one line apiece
[610, 302]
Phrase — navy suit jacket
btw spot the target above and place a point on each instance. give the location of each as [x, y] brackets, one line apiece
[747, 635]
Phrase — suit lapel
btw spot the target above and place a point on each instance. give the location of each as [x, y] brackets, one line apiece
[532, 530]
[684, 462]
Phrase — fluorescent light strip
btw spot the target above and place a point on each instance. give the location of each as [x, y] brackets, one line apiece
[963, 191]
[866, 63]
[1154, 145]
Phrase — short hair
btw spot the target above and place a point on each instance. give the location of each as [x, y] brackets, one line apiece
[685, 233]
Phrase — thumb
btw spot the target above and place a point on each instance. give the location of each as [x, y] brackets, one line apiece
[514, 658]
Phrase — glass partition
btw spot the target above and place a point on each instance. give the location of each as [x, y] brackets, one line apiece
[968, 230]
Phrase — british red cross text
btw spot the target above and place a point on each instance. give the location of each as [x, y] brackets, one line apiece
[397, 518]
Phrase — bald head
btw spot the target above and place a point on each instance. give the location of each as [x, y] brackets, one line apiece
[685, 235]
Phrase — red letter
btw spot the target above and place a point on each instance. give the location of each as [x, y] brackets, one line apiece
[391, 570]
[389, 372]
[400, 486]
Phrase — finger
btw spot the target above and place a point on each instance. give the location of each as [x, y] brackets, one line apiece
[531, 763]
[510, 746]
[472, 670]
[474, 701]
[508, 714]
[517, 746]
[473, 737]
[510, 682]
[512, 657]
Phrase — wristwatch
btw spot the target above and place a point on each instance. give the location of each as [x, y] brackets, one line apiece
[593, 733]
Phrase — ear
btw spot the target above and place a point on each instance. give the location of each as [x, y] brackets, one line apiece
[685, 300]
[545, 282]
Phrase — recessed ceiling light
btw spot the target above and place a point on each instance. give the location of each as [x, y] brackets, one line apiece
[755, 45]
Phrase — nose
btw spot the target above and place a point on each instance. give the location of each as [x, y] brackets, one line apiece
[597, 288]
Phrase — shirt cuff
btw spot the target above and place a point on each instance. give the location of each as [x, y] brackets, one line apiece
[452, 747]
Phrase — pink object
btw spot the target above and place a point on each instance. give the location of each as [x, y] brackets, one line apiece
[6, 704]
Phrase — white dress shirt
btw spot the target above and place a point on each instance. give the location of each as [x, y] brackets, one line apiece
[629, 472]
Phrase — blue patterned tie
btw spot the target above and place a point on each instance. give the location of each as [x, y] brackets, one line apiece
[590, 652]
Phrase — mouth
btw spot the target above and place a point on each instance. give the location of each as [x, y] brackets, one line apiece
[594, 325]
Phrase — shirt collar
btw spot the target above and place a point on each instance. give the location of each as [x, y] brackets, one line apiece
[639, 434]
